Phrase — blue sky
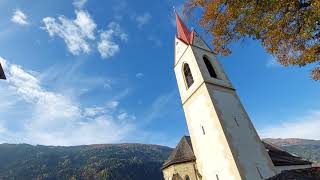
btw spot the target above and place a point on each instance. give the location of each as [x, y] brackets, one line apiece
[93, 71]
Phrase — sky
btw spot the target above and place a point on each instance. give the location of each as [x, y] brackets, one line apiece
[101, 71]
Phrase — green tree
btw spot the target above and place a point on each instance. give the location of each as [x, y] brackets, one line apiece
[288, 29]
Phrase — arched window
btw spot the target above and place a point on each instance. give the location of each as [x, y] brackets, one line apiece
[187, 75]
[187, 177]
[176, 177]
[209, 67]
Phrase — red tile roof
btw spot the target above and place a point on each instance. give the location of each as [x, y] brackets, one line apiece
[183, 32]
[299, 174]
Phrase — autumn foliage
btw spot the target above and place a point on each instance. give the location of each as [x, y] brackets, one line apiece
[288, 29]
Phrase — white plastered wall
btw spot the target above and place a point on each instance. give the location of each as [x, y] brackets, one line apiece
[214, 157]
[210, 159]
[250, 154]
[220, 151]
[182, 170]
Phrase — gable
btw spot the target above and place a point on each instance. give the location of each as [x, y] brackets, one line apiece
[199, 42]
[180, 48]
[182, 153]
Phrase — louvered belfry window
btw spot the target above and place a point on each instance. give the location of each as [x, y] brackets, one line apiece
[210, 67]
[187, 75]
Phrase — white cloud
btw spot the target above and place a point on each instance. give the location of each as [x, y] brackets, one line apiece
[2, 129]
[96, 110]
[79, 3]
[79, 34]
[86, 24]
[19, 17]
[155, 40]
[272, 62]
[139, 75]
[306, 127]
[75, 33]
[56, 119]
[162, 106]
[120, 9]
[107, 86]
[107, 45]
[143, 19]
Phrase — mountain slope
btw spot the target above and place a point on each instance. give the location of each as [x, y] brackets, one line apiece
[120, 161]
[107, 161]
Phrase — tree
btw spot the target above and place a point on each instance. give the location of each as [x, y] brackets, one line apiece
[288, 29]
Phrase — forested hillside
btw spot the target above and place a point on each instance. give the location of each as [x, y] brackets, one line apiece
[106, 161]
[122, 161]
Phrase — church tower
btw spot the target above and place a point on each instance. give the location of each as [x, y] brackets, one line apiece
[225, 143]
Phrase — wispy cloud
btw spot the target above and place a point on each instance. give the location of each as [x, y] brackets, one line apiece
[155, 40]
[272, 62]
[161, 106]
[107, 45]
[139, 75]
[20, 18]
[75, 33]
[120, 9]
[79, 34]
[56, 119]
[143, 19]
[305, 126]
[79, 3]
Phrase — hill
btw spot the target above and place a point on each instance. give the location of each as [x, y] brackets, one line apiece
[118, 161]
[308, 149]
[107, 161]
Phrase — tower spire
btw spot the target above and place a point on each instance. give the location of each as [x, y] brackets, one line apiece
[183, 32]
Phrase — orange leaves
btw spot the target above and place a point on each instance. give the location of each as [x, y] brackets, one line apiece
[288, 29]
[316, 73]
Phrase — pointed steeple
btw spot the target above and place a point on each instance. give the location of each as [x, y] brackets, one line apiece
[2, 76]
[183, 32]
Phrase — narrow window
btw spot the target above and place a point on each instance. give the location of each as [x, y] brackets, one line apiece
[175, 177]
[259, 173]
[204, 133]
[187, 75]
[187, 177]
[235, 119]
[209, 67]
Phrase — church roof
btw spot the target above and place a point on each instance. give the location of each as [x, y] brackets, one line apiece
[183, 32]
[184, 153]
[281, 157]
[299, 174]
[2, 76]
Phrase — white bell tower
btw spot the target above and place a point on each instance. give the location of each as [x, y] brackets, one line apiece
[225, 143]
